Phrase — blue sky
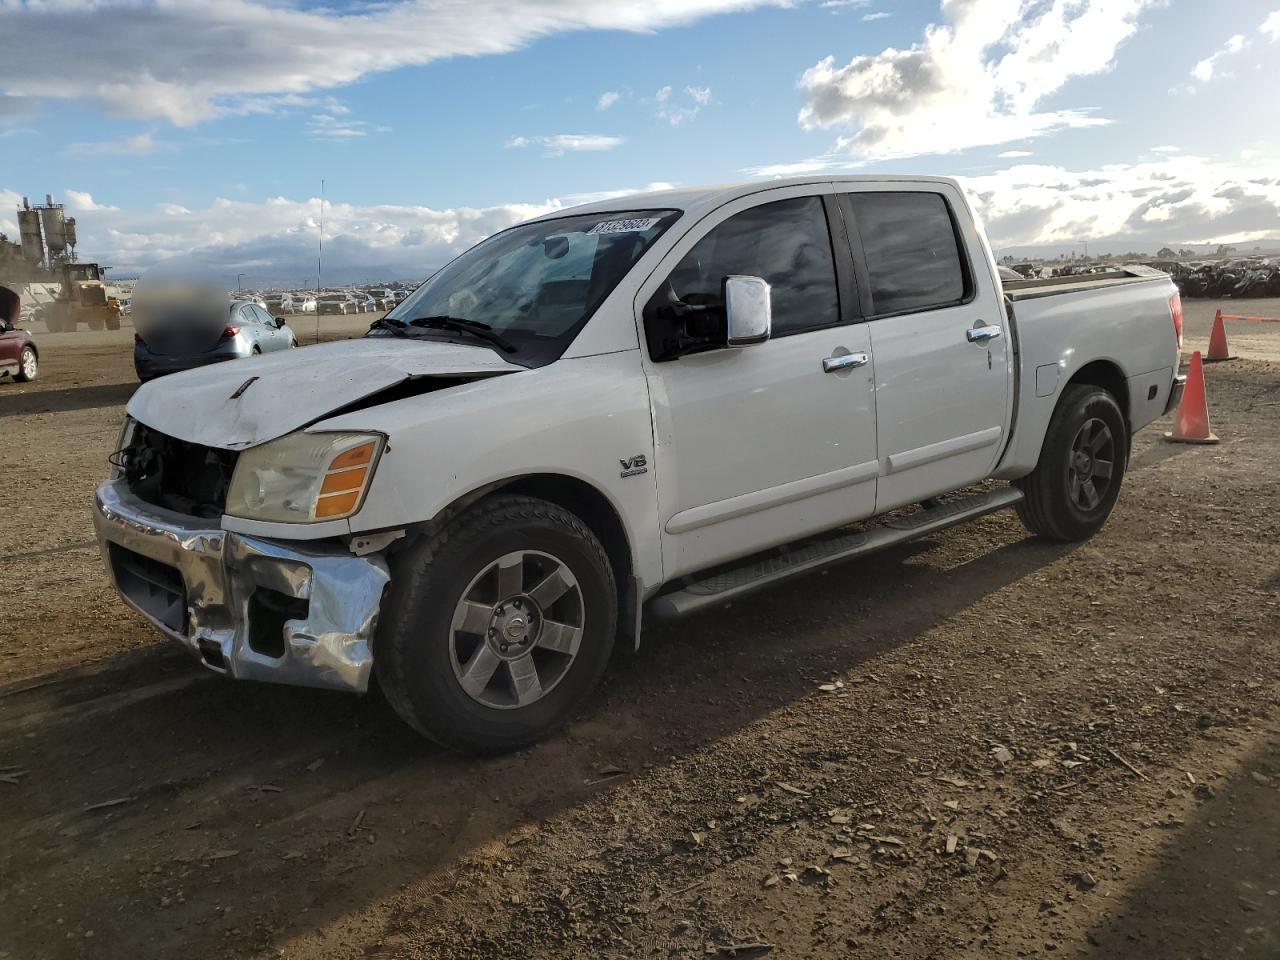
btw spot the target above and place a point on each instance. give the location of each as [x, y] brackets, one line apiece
[232, 111]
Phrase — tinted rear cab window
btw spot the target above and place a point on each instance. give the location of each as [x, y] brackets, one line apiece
[911, 251]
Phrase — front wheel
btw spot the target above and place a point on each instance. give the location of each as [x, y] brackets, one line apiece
[497, 625]
[1073, 488]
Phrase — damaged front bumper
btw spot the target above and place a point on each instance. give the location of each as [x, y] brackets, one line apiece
[254, 609]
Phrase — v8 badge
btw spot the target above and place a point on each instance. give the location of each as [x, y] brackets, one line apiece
[634, 466]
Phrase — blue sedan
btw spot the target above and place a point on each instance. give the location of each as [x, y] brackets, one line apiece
[172, 348]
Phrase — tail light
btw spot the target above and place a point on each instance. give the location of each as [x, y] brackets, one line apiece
[230, 332]
[1175, 311]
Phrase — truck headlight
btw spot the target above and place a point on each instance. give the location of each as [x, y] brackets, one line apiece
[117, 456]
[304, 477]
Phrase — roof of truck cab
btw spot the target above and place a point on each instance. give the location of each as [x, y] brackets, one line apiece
[702, 198]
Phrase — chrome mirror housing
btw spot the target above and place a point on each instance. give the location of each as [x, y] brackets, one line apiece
[748, 311]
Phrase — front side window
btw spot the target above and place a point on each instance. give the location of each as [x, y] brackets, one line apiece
[912, 256]
[535, 285]
[786, 243]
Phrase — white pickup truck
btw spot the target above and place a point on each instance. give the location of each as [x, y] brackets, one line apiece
[650, 405]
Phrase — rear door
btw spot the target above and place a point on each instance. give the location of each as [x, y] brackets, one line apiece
[941, 355]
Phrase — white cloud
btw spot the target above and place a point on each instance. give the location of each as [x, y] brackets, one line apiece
[1014, 154]
[1271, 26]
[975, 80]
[675, 111]
[188, 62]
[80, 202]
[878, 15]
[699, 95]
[1171, 200]
[608, 99]
[1207, 69]
[139, 145]
[274, 240]
[1166, 148]
[558, 144]
[1168, 201]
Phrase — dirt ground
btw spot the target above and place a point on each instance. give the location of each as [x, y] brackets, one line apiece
[979, 744]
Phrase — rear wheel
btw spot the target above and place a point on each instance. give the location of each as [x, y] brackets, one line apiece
[1075, 485]
[497, 626]
[28, 366]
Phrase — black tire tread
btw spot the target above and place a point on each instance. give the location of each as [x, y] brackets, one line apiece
[411, 572]
[1040, 510]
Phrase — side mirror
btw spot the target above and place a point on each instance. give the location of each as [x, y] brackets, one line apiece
[279, 322]
[748, 311]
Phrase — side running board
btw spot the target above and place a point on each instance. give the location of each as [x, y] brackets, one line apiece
[757, 573]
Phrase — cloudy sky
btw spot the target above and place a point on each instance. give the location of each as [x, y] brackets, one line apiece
[204, 127]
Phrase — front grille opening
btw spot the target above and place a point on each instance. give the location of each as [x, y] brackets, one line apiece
[154, 587]
[171, 473]
[268, 612]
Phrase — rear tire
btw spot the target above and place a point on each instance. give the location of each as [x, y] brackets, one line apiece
[497, 626]
[1073, 488]
[28, 366]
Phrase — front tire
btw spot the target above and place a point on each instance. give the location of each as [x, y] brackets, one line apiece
[1074, 487]
[498, 625]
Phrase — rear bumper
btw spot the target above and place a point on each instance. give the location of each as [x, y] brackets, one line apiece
[250, 608]
[1175, 393]
[147, 364]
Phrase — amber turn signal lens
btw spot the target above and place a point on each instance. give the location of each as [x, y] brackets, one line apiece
[343, 480]
[337, 505]
[355, 457]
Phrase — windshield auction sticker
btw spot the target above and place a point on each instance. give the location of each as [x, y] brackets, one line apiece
[624, 226]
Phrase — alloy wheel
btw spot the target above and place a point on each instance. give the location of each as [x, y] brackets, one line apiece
[1091, 465]
[516, 629]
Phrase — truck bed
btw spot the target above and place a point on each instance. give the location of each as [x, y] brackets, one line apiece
[1031, 289]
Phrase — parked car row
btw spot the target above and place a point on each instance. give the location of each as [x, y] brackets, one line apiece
[340, 302]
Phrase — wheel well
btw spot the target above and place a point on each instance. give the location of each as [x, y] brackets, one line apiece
[1105, 374]
[588, 503]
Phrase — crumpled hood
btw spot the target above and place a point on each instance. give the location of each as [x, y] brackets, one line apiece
[242, 403]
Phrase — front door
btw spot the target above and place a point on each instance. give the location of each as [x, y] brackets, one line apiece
[941, 353]
[759, 445]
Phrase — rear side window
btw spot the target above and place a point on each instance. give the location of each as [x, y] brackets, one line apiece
[786, 243]
[912, 254]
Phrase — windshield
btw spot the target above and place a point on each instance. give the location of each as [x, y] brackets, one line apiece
[535, 284]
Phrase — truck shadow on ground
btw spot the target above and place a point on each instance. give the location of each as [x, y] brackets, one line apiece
[67, 398]
[1220, 871]
[248, 814]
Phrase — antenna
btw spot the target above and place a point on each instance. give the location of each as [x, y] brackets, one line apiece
[319, 260]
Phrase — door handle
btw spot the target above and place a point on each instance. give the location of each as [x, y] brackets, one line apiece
[981, 333]
[844, 361]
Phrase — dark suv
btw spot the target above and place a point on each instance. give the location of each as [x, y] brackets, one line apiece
[19, 357]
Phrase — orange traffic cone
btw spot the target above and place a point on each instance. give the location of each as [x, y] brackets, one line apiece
[1218, 349]
[1191, 422]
